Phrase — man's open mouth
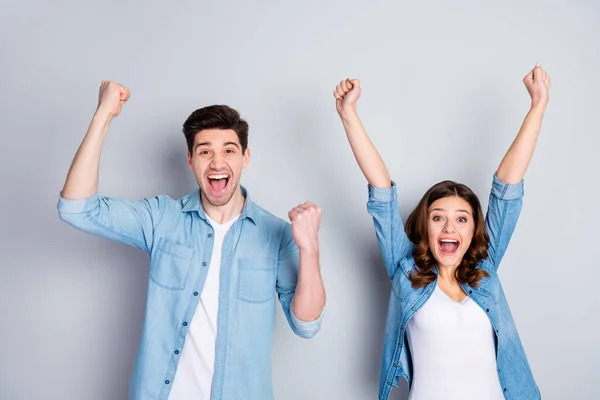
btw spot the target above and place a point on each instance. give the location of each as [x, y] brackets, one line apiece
[218, 182]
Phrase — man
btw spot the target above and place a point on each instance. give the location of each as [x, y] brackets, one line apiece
[216, 262]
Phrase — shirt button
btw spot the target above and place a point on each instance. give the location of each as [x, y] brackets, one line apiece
[204, 264]
[389, 384]
[176, 351]
[210, 235]
[413, 308]
[195, 293]
[395, 365]
[167, 382]
[487, 309]
[470, 292]
[185, 324]
[505, 389]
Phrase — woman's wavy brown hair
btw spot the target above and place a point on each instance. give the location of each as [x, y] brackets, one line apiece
[416, 229]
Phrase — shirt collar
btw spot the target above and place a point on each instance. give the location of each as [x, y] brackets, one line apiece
[192, 203]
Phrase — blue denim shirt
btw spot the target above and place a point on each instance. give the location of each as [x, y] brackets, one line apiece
[260, 259]
[505, 202]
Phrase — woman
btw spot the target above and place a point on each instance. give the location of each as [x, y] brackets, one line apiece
[449, 330]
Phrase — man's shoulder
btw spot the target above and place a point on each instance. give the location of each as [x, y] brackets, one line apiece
[181, 203]
[271, 219]
[170, 202]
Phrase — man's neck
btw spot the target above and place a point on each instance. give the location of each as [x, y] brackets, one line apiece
[225, 213]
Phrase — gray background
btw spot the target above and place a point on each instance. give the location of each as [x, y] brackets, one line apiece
[442, 98]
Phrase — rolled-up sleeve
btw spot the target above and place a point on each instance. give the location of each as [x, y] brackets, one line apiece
[504, 208]
[307, 329]
[393, 242]
[128, 222]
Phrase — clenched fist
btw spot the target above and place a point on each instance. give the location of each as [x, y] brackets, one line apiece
[538, 84]
[306, 220]
[346, 95]
[111, 98]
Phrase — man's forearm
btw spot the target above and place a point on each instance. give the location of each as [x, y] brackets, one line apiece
[309, 299]
[82, 179]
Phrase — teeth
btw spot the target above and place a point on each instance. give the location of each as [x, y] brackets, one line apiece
[449, 241]
[222, 176]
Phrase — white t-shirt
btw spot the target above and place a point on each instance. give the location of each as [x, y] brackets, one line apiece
[193, 379]
[453, 351]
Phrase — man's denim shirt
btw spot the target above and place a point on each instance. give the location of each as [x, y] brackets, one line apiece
[505, 202]
[260, 259]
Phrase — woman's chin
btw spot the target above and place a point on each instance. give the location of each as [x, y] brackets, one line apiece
[448, 260]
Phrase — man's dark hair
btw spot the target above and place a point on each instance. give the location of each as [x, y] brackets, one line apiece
[215, 117]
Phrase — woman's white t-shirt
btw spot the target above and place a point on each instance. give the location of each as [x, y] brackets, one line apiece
[453, 351]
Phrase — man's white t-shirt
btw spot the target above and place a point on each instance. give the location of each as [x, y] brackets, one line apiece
[193, 379]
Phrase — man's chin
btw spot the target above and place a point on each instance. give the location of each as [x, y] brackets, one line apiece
[218, 200]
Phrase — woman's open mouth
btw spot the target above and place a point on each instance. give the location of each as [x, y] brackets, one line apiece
[448, 247]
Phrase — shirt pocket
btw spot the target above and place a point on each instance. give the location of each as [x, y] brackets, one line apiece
[490, 286]
[171, 264]
[256, 280]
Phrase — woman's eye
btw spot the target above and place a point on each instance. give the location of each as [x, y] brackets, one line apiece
[437, 218]
[462, 219]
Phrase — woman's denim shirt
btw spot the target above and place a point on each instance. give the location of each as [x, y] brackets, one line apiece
[505, 202]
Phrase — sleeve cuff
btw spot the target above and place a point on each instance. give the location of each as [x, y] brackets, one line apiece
[307, 326]
[78, 206]
[382, 194]
[507, 191]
